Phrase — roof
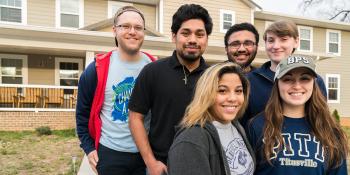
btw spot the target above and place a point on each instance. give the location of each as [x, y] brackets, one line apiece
[272, 16]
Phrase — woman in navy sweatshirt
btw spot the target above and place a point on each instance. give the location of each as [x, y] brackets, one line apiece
[296, 134]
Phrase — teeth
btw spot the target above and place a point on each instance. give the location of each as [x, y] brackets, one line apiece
[296, 94]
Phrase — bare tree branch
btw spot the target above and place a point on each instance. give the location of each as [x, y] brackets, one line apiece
[346, 12]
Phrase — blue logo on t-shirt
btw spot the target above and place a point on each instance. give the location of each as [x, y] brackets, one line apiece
[122, 93]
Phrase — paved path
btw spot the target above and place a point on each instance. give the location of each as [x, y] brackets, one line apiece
[85, 168]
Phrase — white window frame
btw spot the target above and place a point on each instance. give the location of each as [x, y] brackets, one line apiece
[58, 15]
[230, 12]
[24, 59]
[58, 60]
[328, 42]
[23, 14]
[338, 88]
[112, 3]
[311, 38]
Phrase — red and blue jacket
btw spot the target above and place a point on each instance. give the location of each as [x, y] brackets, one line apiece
[91, 88]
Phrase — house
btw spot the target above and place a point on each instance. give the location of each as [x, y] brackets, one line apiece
[46, 44]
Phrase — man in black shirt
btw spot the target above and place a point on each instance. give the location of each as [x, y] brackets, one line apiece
[166, 87]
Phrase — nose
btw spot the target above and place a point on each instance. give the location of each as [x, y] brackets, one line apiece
[297, 84]
[276, 44]
[192, 38]
[132, 30]
[232, 97]
[241, 47]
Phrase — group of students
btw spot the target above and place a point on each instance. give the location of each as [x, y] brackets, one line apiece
[179, 116]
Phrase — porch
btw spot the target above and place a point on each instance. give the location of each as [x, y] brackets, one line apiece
[18, 97]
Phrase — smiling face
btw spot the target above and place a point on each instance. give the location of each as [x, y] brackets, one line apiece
[244, 55]
[191, 40]
[278, 48]
[129, 40]
[229, 98]
[295, 87]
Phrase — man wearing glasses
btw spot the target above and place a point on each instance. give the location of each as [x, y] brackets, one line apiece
[241, 45]
[103, 96]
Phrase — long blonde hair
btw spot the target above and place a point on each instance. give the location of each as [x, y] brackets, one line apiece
[323, 126]
[198, 111]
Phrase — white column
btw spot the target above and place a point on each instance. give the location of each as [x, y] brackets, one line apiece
[89, 57]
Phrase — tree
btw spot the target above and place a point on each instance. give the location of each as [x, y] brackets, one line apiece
[337, 10]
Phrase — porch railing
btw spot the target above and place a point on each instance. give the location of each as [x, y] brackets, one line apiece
[15, 97]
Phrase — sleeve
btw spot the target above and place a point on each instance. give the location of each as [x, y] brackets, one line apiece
[86, 90]
[251, 135]
[186, 158]
[322, 86]
[140, 100]
[341, 170]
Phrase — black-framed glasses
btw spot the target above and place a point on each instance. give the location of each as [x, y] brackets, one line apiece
[128, 27]
[246, 44]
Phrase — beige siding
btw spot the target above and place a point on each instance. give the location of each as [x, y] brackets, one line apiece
[95, 11]
[41, 69]
[150, 14]
[319, 37]
[339, 65]
[41, 12]
[260, 26]
[242, 11]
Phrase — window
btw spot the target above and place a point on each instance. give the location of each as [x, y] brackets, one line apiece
[227, 19]
[306, 38]
[333, 42]
[333, 88]
[113, 7]
[13, 11]
[13, 69]
[69, 13]
[67, 72]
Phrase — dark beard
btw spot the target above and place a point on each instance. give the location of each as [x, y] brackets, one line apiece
[249, 61]
[189, 57]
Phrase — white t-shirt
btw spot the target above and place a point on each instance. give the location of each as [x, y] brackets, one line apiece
[238, 157]
[115, 132]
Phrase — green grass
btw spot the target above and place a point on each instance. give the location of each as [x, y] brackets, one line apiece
[30, 154]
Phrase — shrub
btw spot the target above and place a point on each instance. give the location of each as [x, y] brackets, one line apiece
[336, 115]
[43, 130]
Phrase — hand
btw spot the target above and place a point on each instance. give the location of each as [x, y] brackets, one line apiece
[93, 159]
[157, 168]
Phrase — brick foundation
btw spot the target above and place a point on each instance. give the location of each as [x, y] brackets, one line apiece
[19, 121]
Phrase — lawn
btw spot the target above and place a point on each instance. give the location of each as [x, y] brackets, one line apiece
[26, 153]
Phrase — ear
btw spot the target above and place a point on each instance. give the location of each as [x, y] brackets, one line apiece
[226, 50]
[296, 42]
[114, 30]
[173, 37]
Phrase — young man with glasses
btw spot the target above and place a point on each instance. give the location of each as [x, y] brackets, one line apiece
[241, 45]
[166, 87]
[103, 95]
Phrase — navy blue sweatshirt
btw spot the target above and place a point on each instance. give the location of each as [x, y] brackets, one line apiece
[304, 155]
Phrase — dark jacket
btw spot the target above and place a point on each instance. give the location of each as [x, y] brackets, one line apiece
[198, 150]
[261, 82]
[91, 88]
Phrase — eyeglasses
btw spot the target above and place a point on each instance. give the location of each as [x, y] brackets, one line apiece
[128, 27]
[237, 44]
